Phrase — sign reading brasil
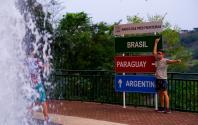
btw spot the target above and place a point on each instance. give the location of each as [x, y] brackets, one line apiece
[136, 43]
[147, 27]
[133, 83]
[135, 64]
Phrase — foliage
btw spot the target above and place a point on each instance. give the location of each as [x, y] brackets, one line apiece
[175, 50]
[190, 40]
[135, 19]
[83, 45]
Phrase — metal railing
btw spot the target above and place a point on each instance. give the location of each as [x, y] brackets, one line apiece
[98, 86]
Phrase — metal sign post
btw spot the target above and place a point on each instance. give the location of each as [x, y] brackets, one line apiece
[124, 93]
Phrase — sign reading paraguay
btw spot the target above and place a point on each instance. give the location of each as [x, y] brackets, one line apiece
[135, 64]
[133, 83]
[136, 43]
[147, 27]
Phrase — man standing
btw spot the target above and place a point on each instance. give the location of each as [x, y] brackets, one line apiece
[161, 75]
[35, 66]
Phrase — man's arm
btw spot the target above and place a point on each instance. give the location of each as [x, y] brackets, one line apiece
[173, 61]
[155, 47]
[43, 65]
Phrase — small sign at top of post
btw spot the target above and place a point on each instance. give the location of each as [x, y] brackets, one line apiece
[147, 27]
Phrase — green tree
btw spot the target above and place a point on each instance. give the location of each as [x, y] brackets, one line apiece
[135, 19]
[81, 44]
[104, 41]
[72, 35]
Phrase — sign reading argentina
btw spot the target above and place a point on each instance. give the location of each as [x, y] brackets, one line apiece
[137, 84]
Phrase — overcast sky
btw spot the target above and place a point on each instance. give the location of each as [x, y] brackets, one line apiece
[183, 13]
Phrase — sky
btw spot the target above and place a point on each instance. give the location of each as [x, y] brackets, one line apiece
[181, 13]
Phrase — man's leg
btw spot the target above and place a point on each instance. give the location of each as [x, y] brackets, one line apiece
[162, 99]
[42, 100]
[45, 110]
[167, 102]
[166, 99]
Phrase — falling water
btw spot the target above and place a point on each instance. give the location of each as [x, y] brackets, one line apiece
[18, 33]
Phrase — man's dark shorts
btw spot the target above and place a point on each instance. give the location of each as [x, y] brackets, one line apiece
[161, 84]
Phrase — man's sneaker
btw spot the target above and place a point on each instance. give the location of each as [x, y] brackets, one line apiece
[168, 111]
[49, 120]
[46, 122]
[160, 109]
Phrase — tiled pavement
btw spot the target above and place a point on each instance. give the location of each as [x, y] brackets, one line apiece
[115, 113]
[71, 120]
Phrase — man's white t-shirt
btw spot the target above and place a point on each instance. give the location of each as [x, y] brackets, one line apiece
[161, 68]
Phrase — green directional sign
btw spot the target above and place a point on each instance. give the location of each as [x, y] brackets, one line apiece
[136, 43]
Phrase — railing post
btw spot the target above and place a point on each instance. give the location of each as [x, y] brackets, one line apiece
[156, 102]
[124, 93]
[124, 99]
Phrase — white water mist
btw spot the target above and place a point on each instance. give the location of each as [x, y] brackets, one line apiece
[14, 81]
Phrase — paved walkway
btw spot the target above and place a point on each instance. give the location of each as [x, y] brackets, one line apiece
[70, 120]
[85, 113]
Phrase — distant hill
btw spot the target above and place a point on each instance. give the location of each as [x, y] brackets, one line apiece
[190, 40]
